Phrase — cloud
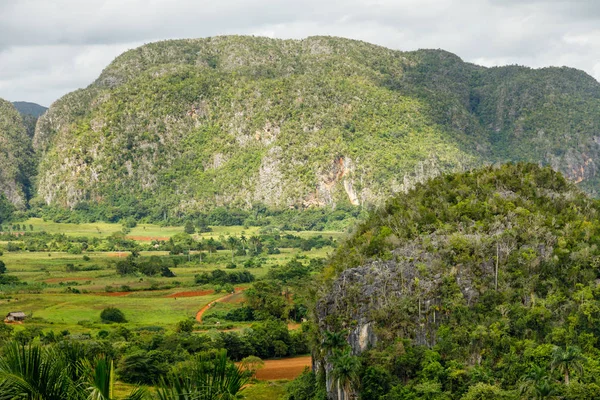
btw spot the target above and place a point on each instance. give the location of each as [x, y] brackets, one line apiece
[48, 48]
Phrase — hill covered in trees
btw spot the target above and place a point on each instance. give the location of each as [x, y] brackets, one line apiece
[473, 285]
[30, 112]
[17, 161]
[179, 126]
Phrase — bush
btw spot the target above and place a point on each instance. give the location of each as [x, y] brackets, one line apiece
[112, 314]
[187, 325]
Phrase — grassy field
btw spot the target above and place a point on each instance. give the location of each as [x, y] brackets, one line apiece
[67, 292]
[49, 297]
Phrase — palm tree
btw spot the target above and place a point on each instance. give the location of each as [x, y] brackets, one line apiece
[535, 384]
[345, 372]
[544, 390]
[255, 241]
[53, 373]
[232, 242]
[99, 381]
[204, 379]
[334, 341]
[243, 241]
[28, 373]
[567, 360]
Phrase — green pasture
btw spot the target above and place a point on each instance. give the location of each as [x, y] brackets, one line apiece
[48, 294]
[140, 308]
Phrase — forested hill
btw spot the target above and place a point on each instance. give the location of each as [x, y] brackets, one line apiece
[27, 108]
[17, 161]
[474, 285]
[177, 126]
[30, 112]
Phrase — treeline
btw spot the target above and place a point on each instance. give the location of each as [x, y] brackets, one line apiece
[316, 219]
[182, 243]
[144, 355]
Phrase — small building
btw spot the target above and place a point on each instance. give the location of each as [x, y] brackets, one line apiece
[16, 316]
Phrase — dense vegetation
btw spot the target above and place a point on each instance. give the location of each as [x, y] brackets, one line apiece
[17, 161]
[30, 112]
[181, 127]
[475, 285]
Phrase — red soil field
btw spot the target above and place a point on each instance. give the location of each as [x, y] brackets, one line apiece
[113, 294]
[54, 280]
[286, 368]
[192, 294]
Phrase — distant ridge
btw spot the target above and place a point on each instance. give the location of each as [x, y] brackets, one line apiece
[181, 126]
[28, 108]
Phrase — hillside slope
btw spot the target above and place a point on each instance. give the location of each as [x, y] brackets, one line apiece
[180, 126]
[17, 161]
[472, 281]
[30, 112]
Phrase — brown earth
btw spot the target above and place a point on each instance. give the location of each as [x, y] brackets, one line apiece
[192, 293]
[286, 368]
[114, 294]
[66, 279]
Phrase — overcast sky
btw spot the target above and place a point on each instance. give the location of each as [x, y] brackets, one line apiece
[51, 47]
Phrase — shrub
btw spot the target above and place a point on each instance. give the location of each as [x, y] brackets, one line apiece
[112, 314]
[187, 325]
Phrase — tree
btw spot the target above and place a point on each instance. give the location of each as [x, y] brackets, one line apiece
[189, 227]
[143, 367]
[52, 373]
[2, 267]
[112, 314]
[251, 364]
[333, 341]
[204, 378]
[232, 242]
[345, 372]
[484, 391]
[187, 325]
[568, 360]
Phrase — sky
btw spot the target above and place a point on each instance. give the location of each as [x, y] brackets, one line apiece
[51, 47]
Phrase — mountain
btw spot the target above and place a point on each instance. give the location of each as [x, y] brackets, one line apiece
[17, 160]
[30, 112]
[187, 125]
[27, 108]
[472, 282]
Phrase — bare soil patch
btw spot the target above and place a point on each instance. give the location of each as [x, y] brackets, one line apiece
[192, 293]
[113, 294]
[286, 368]
[67, 279]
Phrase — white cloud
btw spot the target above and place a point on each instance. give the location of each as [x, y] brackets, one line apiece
[48, 48]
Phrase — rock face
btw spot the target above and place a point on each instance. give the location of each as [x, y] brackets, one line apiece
[193, 124]
[17, 161]
[447, 253]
